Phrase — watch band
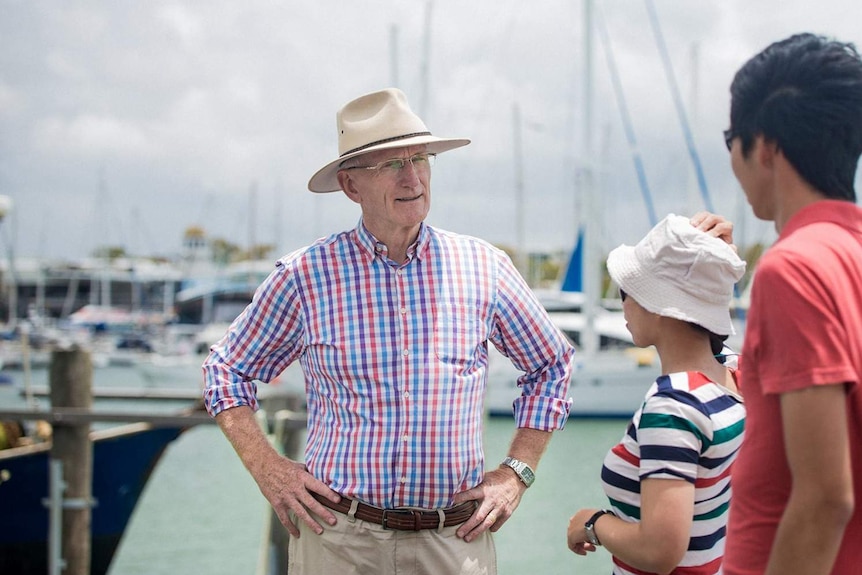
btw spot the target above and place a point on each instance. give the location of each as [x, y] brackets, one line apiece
[590, 526]
[524, 472]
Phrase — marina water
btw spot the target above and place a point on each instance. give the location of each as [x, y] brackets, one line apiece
[202, 513]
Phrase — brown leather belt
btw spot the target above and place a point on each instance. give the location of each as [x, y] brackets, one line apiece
[403, 519]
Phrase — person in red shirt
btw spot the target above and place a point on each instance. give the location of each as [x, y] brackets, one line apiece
[795, 138]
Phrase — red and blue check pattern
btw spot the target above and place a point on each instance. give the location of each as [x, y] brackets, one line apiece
[395, 360]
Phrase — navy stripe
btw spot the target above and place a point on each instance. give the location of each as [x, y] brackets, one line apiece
[632, 431]
[620, 481]
[705, 542]
[720, 495]
[716, 462]
[669, 453]
[666, 471]
[663, 383]
[684, 397]
[720, 403]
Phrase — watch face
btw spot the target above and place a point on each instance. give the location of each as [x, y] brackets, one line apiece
[522, 469]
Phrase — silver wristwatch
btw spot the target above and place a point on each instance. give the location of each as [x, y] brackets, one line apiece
[525, 472]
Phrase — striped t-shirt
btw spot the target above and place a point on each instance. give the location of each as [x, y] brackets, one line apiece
[688, 428]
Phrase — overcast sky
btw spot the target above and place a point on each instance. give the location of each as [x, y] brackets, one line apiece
[124, 123]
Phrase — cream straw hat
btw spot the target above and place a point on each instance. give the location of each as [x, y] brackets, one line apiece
[377, 121]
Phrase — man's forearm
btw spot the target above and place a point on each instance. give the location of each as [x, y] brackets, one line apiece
[247, 438]
[528, 445]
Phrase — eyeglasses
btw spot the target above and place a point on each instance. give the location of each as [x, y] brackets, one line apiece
[729, 136]
[421, 161]
[623, 295]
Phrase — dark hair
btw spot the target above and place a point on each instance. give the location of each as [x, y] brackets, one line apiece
[804, 94]
[716, 342]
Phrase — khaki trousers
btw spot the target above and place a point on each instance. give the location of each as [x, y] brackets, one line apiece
[363, 548]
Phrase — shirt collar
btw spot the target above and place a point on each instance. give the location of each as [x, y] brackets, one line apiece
[843, 213]
[373, 248]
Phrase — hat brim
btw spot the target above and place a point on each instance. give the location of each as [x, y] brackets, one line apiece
[662, 297]
[326, 178]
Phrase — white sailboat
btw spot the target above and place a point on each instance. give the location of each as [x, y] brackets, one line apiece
[609, 375]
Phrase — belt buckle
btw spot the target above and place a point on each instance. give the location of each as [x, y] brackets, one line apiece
[414, 513]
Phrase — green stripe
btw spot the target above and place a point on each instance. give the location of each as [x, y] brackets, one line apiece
[629, 510]
[721, 509]
[664, 421]
[729, 433]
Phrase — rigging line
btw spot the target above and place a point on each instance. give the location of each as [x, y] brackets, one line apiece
[624, 114]
[680, 109]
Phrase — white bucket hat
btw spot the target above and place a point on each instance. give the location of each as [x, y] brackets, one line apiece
[681, 272]
[377, 121]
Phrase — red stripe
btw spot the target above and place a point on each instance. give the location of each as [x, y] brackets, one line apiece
[621, 452]
[697, 379]
[710, 481]
[710, 568]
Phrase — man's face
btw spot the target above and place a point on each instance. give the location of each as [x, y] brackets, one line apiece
[754, 177]
[392, 200]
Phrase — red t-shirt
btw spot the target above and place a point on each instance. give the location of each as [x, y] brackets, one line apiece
[804, 328]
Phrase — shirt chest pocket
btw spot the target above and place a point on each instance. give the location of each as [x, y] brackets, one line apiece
[457, 333]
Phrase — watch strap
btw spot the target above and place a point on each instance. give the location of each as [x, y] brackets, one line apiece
[590, 525]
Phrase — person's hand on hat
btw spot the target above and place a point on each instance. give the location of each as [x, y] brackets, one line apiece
[714, 225]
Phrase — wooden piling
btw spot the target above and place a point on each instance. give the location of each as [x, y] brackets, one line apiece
[71, 381]
[287, 429]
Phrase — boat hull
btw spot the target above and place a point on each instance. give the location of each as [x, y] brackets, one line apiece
[123, 460]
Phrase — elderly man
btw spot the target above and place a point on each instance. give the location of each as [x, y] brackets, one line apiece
[391, 322]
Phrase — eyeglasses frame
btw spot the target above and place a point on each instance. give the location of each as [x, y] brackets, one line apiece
[729, 136]
[421, 156]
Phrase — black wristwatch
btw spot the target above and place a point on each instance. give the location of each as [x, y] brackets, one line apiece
[590, 526]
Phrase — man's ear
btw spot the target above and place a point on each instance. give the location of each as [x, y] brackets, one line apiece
[766, 151]
[347, 185]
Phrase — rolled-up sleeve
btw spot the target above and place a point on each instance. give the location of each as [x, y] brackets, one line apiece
[525, 333]
[263, 340]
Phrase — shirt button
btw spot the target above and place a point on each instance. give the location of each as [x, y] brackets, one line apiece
[399, 272]
[405, 352]
[405, 438]
[406, 394]
[404, 480]
[403, 310]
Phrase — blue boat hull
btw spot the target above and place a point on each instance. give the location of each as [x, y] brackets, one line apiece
[122, 464]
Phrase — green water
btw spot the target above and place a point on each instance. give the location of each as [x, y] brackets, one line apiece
[202, 513]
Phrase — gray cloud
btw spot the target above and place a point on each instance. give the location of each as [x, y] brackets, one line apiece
[125, 123]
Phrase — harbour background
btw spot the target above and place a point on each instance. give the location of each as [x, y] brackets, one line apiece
[201, 512]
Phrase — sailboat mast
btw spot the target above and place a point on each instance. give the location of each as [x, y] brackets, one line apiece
[425, 107]
[520, 225]
[589, 337]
